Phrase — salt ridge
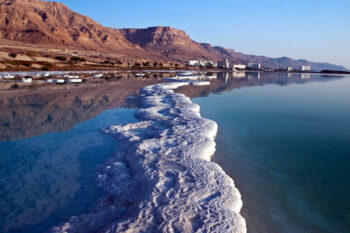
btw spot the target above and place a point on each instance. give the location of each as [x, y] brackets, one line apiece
[161, 178]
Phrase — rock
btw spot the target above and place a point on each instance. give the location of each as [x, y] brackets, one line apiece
[36, 66]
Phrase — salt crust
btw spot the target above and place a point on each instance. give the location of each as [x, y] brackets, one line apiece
[161, 178]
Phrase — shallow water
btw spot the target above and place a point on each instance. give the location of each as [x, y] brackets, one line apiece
[48, 178]
[284, 145]
[287, 148]
[162, 179]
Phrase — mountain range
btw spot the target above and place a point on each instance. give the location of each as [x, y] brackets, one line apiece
[54, 24]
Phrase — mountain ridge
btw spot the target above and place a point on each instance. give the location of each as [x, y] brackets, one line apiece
[52, 23]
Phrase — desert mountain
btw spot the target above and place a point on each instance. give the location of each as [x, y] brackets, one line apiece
[169, 42]
[51, 23]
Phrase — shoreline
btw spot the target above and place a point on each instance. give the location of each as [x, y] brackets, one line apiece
[10, 80]
[170, 163]
[188, 91]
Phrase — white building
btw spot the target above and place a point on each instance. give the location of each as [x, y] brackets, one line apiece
[210, 64]
[192, 62]
[239, 66]
[255, 66]
[289, 69]
[305, 68]
[224, 64]
[203, 63]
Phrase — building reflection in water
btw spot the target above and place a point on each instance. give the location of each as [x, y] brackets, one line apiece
[305, 76]
[31, 113]
[253, 75]
[238, 74]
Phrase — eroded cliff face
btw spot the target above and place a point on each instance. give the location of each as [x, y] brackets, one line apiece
[157, 36]
[169, 42]
[54, 24]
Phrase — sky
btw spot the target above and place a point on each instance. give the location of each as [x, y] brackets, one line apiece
[317, 30]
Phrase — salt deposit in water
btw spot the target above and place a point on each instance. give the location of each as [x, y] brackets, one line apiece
[161, 178]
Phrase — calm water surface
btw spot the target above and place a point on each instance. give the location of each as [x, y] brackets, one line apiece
[46, 179]
[287, 148]
[51, 148]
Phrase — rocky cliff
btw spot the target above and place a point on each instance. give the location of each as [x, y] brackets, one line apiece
[169, 42]
[51, 23]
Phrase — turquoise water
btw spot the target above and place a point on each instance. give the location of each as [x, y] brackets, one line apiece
[287, 148]
[46, 179]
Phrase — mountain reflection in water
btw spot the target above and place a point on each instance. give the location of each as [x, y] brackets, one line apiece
[32, 113]
[232, 80]
[47, 178]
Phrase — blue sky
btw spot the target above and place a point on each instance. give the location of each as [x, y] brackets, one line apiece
[317, 30]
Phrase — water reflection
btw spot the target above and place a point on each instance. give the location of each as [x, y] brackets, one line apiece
[286, 148]
[253, 75]
[46, 179]
[231, 80]
[238, 74]
[35, 112]
[28, 113]
[41, 175]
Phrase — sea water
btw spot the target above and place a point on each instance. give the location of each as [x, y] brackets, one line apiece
[284, 146]
[46, 179]
[288, 150]
[162, 179]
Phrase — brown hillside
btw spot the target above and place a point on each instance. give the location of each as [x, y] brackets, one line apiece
[169, 42]
[50, 23]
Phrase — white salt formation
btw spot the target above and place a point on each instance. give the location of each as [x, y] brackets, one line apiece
[161, 178]
[192, 77]
[98, 76]
[65, 74]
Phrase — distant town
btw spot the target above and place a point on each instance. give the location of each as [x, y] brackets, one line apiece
[225, 64]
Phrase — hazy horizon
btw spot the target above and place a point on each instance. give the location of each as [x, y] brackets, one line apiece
[312, 30]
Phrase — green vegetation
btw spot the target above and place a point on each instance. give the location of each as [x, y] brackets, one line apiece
[119, 63]
[19, 63]
[14, 86]
[61, 58]
[108, 63]
[26, 63]
[12, 55]
[77, 59]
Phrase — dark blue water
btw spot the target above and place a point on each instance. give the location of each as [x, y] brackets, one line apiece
[288, 150]
[46, 179]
